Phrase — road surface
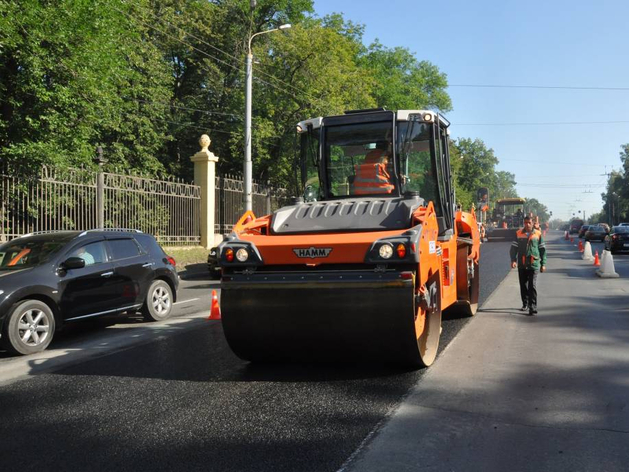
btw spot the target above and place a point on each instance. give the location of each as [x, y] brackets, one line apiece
[177, 399]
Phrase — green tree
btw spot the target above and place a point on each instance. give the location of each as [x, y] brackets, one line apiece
[600, 217]
[404, 82]
[204, 44]
[538, 209]
[318, 75]
[473, 168]
[144, 79]
[615, 201]
[74, 74]
[504, 184]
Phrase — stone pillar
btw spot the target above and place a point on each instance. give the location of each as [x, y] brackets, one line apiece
[204, 176]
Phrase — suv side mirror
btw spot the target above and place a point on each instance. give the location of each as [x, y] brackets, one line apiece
[73, 263]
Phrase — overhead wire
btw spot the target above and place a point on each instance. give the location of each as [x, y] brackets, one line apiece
[179, 107]
[552, 163]
[551, 87]
[216, 48]
[559, 186]
[545, 123]
[205, 53]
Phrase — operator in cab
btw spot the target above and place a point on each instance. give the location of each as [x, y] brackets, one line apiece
[372, 176]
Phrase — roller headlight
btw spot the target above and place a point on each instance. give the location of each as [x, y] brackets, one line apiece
[386, 251]
[242, 254]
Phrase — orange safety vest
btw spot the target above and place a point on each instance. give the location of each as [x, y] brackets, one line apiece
[372, 176]
[527, 248]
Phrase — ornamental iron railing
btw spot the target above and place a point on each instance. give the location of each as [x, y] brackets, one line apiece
[67, 199]
[55, 198]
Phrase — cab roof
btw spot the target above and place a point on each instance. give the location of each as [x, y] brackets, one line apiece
[400, 115]
[514, 201]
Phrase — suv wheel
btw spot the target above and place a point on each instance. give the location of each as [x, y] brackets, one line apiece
[29, 327]
[159, 301]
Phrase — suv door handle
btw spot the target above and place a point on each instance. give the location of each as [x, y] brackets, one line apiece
[107, 274]
[148, 264]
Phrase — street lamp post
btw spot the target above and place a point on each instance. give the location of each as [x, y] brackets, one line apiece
[248, 93]
[614, 196]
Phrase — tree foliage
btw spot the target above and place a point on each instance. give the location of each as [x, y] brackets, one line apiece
[73, 75]
[145, 78]
[403, 82]
[616, 196]
[538, 209]
[474, 167]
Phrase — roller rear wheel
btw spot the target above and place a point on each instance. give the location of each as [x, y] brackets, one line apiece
[473, 287]
[428, 325]
[468, 284]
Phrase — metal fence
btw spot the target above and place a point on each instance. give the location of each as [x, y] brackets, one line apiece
[66, 199]
[230, 205]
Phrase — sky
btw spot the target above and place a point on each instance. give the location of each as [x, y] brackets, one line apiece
[558, 142]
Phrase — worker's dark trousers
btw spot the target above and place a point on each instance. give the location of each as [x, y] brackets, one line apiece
[528, 292]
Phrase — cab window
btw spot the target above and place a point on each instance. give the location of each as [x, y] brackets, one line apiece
[417, 170]
[356, 153]
[310, 165]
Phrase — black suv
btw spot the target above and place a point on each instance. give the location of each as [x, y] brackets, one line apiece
[50, 278]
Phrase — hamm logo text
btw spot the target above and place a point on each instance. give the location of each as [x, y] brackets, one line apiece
[313, 252]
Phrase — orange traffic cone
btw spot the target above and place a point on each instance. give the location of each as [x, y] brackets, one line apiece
[580, 246]
[215, 312]
[596, 261]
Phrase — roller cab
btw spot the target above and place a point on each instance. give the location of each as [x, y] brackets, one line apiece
[362, 266]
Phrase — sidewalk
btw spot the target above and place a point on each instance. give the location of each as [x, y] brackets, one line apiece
[520, 393]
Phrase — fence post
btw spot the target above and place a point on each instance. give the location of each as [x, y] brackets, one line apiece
[100, 188]
[268, 197]
[204, 176]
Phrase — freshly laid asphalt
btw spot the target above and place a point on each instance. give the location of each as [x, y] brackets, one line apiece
[183, 401]
[521, 393]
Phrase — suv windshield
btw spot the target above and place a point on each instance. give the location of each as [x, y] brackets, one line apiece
[21, 254]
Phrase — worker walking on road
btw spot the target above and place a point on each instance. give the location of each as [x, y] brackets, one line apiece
[528, 254]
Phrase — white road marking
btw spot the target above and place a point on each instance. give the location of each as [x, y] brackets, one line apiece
[186, 301]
